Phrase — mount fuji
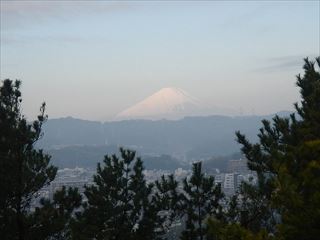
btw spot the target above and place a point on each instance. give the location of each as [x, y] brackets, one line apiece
[169, 103]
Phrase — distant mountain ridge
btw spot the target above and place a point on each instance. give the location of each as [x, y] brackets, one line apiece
[188, 138]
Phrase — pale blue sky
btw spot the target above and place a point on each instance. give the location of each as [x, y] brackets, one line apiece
[92, 59]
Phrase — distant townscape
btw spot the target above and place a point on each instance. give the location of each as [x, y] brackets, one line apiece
[230, 180]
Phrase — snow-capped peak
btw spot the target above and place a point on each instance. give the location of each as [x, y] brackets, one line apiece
[167, 103]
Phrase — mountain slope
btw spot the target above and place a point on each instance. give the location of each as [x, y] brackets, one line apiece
[168, 103]
[192, 137]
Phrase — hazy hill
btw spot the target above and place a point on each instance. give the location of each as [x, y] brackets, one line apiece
[89, 156]
[191, 137]
[220, 162]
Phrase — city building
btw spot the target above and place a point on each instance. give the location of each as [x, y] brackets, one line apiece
[237, 166]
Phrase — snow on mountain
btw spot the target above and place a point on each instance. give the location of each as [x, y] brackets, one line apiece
[168, 103]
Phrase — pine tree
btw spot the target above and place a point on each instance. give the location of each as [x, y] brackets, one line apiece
[218, 230]
[119, 202]
[23, 169]
[53, 219]
[287, 162]
[168, 199]
[201, 199]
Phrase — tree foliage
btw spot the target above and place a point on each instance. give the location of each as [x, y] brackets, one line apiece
[218, 230]
[286, 199]
[24, 170]
[201, 199]
[168, 199]
[53, 219]
[119, 202]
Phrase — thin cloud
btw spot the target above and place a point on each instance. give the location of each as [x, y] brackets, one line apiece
[21, 14]
[245, 19]
[14, 39]
[283, 63]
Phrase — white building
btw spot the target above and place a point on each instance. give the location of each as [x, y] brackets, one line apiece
[230, 183]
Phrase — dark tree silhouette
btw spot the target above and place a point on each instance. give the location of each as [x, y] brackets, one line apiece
[286, 199]
[201, 199]
[24, 170]
[119, 202]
